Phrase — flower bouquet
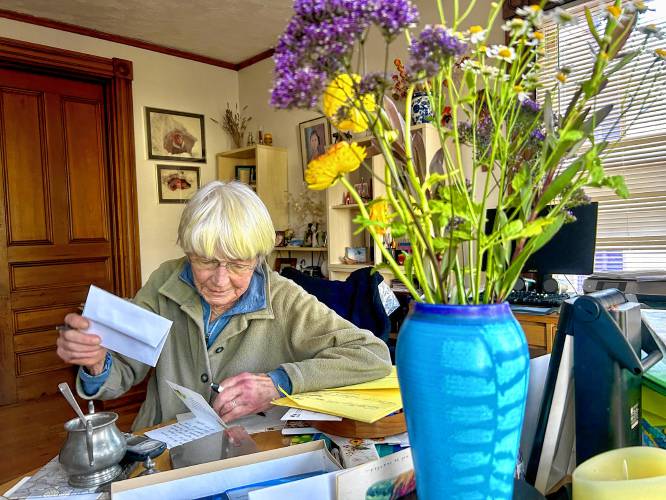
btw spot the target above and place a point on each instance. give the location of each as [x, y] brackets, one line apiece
[461, 356]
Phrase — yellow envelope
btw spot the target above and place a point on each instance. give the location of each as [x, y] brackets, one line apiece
[388, 382]
[363, 405]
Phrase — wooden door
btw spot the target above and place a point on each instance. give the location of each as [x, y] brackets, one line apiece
[54, 220]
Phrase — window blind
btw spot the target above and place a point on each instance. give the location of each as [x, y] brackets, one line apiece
[631, 233]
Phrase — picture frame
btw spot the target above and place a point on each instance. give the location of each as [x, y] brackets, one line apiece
[175, 135]
[280, 240]
[177, 184]
[356, 255]
[282, 262]
[315, 138]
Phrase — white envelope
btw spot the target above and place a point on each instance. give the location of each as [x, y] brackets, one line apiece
[125, 327]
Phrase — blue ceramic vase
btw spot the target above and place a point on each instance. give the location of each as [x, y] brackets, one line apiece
[421, 110]
[463, 374]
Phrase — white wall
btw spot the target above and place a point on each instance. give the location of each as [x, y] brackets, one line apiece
[255, 82]
[160, 81]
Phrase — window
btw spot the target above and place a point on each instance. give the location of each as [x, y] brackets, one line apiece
[631, 233]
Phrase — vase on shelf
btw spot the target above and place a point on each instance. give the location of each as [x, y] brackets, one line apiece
[463, 374]
[421, 109]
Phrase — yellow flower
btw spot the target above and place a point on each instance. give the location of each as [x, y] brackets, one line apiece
[379, 213]
[562, 77]
[341, 93]
[325, 170]
[614, 11]
[538, 35]
[660, 53]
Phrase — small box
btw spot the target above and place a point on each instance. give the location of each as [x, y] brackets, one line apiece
[216, 477]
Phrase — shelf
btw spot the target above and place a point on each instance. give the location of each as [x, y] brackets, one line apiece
[248, 152]
[345, 206]
[301, 249]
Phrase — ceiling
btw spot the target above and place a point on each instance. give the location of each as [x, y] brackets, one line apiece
[230, 31]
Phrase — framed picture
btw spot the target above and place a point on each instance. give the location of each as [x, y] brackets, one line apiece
[356, 255]
[280, 240]
[177, 184]
[315, 138]
[281, 263]
[174, 135]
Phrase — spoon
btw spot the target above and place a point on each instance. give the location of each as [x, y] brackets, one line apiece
[67, 392]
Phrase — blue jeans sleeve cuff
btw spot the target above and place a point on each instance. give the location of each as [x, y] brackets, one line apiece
[280, 380]
[92, 383]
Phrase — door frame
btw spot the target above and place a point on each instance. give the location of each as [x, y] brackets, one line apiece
[115, 75]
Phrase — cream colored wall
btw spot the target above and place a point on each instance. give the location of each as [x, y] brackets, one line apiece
[160, 81]
[255, 82]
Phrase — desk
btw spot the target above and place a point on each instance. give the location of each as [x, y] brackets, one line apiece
[265, 441]
[539, 330]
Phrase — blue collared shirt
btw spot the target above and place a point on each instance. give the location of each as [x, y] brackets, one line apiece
[252, 300]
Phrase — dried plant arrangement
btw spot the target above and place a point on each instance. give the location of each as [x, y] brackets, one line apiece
[234, 124]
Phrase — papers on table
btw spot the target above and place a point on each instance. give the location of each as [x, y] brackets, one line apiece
[183, 432]
[125, 327]
[300, 414]
[394, 473]
[366, 402]
[355, 451]
[198, 406]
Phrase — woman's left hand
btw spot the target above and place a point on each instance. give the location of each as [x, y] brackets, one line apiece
[244, 394]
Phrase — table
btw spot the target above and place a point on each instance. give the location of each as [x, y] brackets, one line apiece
[265, 441]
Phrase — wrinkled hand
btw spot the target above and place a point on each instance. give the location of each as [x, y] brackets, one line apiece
[244, 394]
[80, 348]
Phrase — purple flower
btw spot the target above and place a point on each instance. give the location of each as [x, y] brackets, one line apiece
[393, 16]
[318, 43]
[531, 105]
[433, 46]
[372, 83]
[538, 134]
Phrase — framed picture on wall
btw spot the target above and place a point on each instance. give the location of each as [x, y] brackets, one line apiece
[177, 184]
[175, 135]
[315, 137]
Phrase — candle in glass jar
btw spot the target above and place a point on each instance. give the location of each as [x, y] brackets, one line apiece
[635, 472]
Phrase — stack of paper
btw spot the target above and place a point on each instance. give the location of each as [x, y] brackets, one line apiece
[367, 402]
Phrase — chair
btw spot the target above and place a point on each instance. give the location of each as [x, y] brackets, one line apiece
[356, 299]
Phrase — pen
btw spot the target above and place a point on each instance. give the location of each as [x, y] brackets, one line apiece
[218, 388]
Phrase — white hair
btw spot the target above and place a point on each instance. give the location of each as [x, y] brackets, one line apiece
[226, 220]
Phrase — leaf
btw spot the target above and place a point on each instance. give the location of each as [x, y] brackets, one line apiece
[621, 34]
[598, 117]
[511, 230]
[590, 25]
[626, 59]
[558, 184]
[418, 155]
[573, 102]
[548, 118]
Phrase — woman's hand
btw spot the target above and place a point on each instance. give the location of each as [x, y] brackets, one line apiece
[80, 348]
[244, 394]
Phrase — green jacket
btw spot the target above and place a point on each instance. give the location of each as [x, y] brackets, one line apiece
[316, 347]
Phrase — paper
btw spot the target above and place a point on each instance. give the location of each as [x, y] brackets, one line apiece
[199, 407]
[388, 382]
[270, 421]
[183, 432]
[355, 451]
[389, 477]
[301, 414]
[125, 327]
[364, 405]
[297, 427]
[401, 439]
[50, 482]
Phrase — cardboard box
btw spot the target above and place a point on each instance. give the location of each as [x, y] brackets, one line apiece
[216, 477]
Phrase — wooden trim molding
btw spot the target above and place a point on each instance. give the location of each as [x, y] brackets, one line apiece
[134, 42]
[255, 59]
[116, 77]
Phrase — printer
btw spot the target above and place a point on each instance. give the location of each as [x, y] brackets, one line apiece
[651, 283]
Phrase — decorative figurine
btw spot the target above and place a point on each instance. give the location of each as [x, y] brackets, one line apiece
[268, 139]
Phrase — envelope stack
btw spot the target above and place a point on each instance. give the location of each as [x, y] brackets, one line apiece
[367, 402]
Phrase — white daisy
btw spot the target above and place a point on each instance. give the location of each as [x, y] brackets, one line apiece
[477, 34]
[516, 26]
[561, 16]
[502, 52]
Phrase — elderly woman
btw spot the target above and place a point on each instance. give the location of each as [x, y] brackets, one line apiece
[235, 322]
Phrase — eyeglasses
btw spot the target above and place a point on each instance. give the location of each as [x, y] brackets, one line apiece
[235, 268]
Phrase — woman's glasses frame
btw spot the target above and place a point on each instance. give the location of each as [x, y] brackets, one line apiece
[235, 268]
